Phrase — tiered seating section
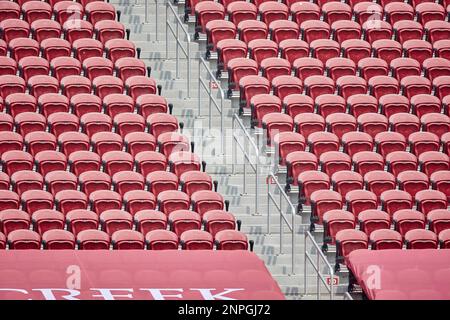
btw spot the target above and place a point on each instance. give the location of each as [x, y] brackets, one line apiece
[355, 97]
[91, 156]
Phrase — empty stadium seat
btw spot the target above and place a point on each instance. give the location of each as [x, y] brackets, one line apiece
[250, 86]
[241, 11]
[34, 200]
[81, 161]
[314, 29]
[60, 180]
[159, 181]
[196, 240]
[406, 220]
[421, 239]
[372, 220]
[114, 220]
[421, 142]
[149, 220]
[295, 104]
[115, 161]
[444, 239]
[161, 240]
[333, 222]
[103, 200]
[25, 180]
[438, 220]
[310, 181]
[292, 49]
[9, 199]
[90, 181]
[348, 241]
[47, 219]
[124, 181]
[412, 181]
[16, 160]
[287, 142]
[24, 240]
[184, 220]
[282, 30]
[49, 160]
[379, 181]
[14, 219]
[275, 123]
[346, 181]
[386, 239]
[231, 240]
[306, 67]
[284, 85]
[93, 240]
[387, 50]
[262, 104]
[395, 200]
[149, 161]
[79, 220]
[172, 200]
[334, 161]
[68, 200]
[319, 85]
[433, 161]
[58, 240]
[400, 161]
[251, 29]
[321, 202]
[99, 11]
[127, 240]
[297, 162]
[339, 123]
[354, 142]
[206, 200]
[108, 29]
[217, 30]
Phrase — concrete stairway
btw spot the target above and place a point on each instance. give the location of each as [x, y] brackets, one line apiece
[208, 146]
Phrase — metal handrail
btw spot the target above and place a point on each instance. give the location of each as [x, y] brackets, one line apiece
[186, 52]
[207, 86]
[347, 296]
[320, 277]
[291, 225]
[247, 159]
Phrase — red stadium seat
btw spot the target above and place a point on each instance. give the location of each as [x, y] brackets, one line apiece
[184, 220]
[148, 104]
[115, 161]
[55, 47]
[395, 200]
[295, 104]
[99, 11]
[428, 200]
[184, 161]
[238, 68]
[91, 181]
[404, 123]
[306, 67]
[400, 161]
[27, 122]
[324, 49]
[334, 161]
[412, 181]
[419, 50]
[217, 30]
[360, 200]
[17, 103]
[31, 66]
[372, 67]
[107, 84]
[372, 123]
[161, 240]
[304, 11]
[260, 49]
[206, 11]
[206, 200]
[445, 140]
[250, 86]
[65, 10]
[404, 67]
[159, 181]
[339, 67]
[444, 239]
[334, 11]
[345, 181]
[361, 103]
[343, 30]
[138, 200]
[314, 29]
[82, 161]
[58, 240]
[367, 11]
[282, 30]
[97, 66]
[436, 67]
[22, 181]
[49, 160]
[216, 221]
[323, 201]
[4, 181]
[196, 240]
[13, 29]
[372, 220]
[387, 142]
[421, 239]
[340, 123]
[231, 240]
[335, 221]
[60, 180]
[40, 85]
[75, 29]
[405, 30]
[292, 49]
[93, 240]
[354, 142]
[193, 181]
[422, 104]
[93, 122]
[318, 85]
[124, 181]
[149, 161]
[432, 161]
[310, 181]
[16, 160]
[414, 85]
[72, 85]
[275, 123]
[43, 29]
[69, 200]
[119, 48]
[9, 199]
[170, 142]
[438, 220]
[437, 30]
[379, 181]
[34, 200]
[348, 241]
[441, 86]
[159, 123]
[126, 123]
[382, 85]
[308, 123]
[406, 220]
[3, 47]
[429, 12]
[73, 141]
[287, 142]
[436, 123]
[376, 30]
[442, 48]
[386, 239]
[10, 141]
[10, 84]
[252, 29]
[421, 142]
[228, 49]
[397, 11]
[9, 10]
[85, 48]
[13, 219]
[8, 66]
[271, 11]
[136, 142]
[52, 102]
[241, 11]
[172, 200]
[298, 162]
[128, 67]
[118, 103]
[47, 219]
[108, 29]
[386, 50]
[149, 220]
[262, 104]
[127, 240]
[24, 240]
[114, 220]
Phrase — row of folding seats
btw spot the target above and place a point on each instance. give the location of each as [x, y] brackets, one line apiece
[71, 30]
[331, 12]
[123, 239]
[61, 11]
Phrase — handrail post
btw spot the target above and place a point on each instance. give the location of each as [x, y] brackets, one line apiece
[177, 52]
[156, 19]
[167, 31]
[188, 67]
[146, 11]
[268, 206]
[305, 267]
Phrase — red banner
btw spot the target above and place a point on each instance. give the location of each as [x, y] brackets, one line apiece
[134, 274]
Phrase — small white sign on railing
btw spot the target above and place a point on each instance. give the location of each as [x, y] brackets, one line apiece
[335, 280]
